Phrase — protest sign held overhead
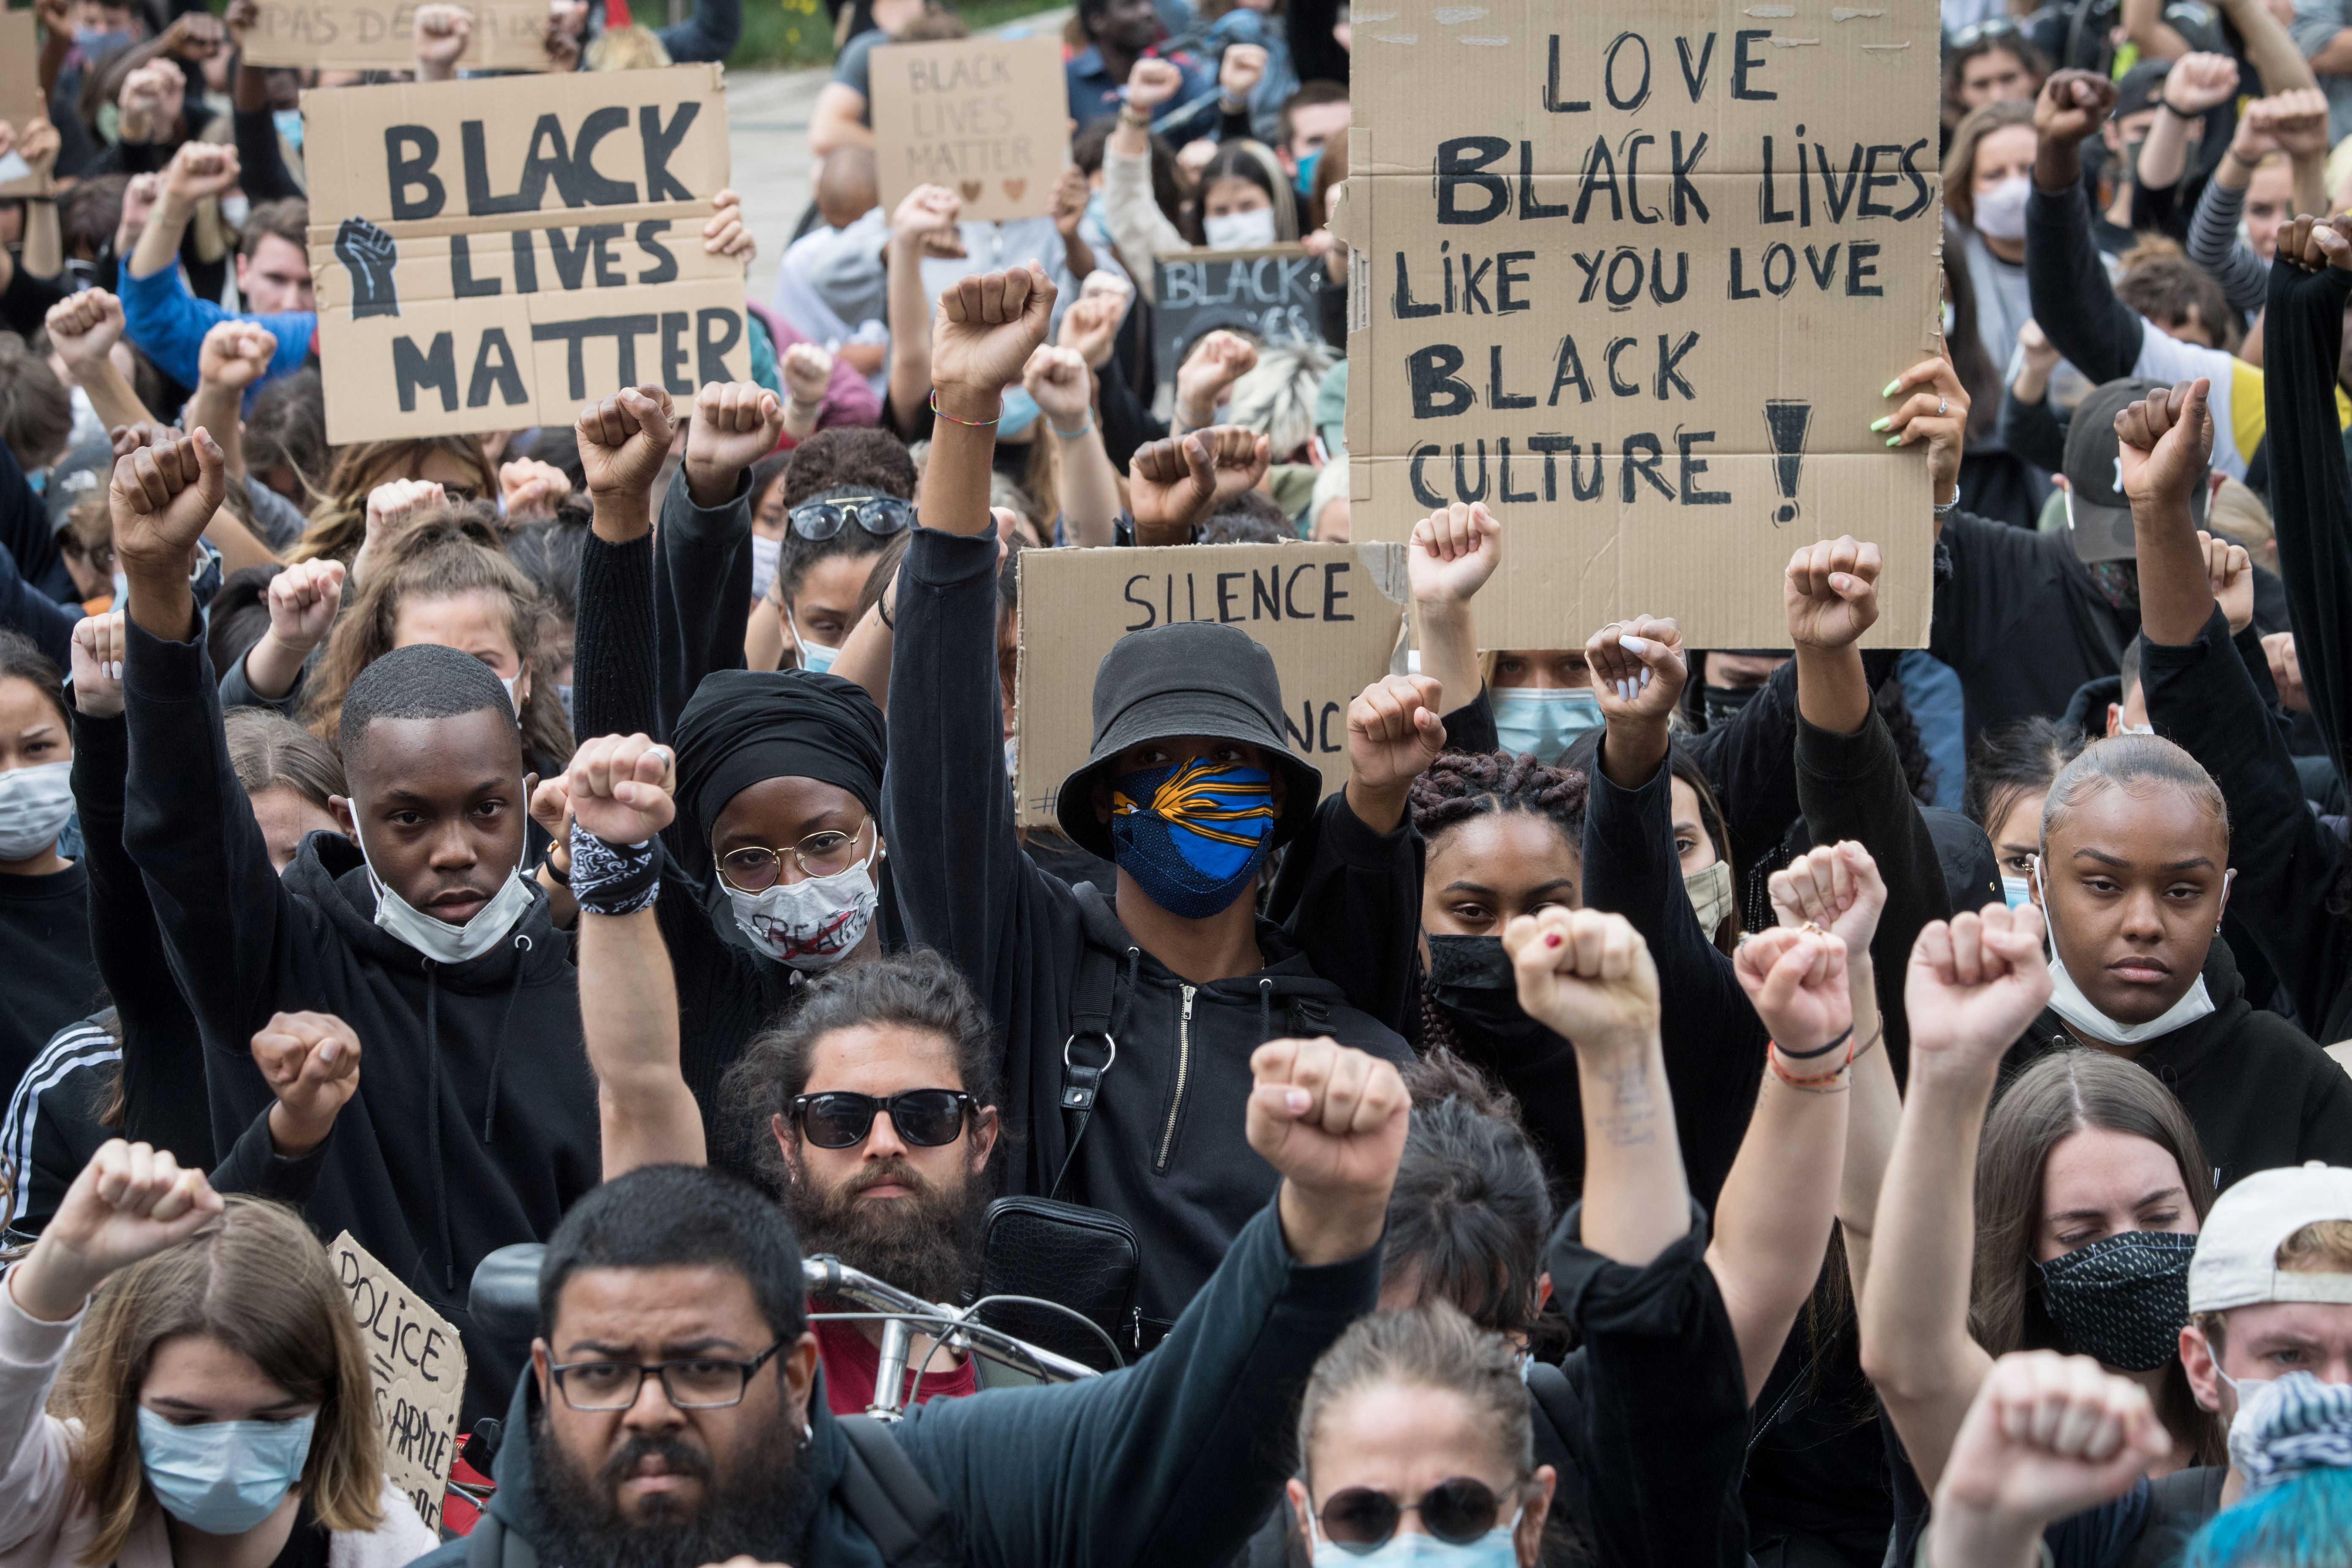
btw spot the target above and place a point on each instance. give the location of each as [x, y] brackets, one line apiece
[20, 100]
[1272, 294]
[492, 253]
[987, 118]
[1635, 281]
[419, 1371]
[1331, 616]
[381, 35]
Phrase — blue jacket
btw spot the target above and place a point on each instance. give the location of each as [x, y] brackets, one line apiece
[168, 325]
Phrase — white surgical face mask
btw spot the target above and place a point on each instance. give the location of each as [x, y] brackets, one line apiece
[766, 553]
[1543, 721]
[1239, 231]
[2016, 891]
[814, 656]
[34, 805]
[2066, 998]
[509, 682]
[1710, 896]
[223, 1477]
[2000, 211]
[813, 923]
[437, 939]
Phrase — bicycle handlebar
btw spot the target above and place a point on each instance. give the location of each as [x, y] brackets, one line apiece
[827, 1275]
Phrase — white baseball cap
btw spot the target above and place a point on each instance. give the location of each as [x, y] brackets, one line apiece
[2236, 1262]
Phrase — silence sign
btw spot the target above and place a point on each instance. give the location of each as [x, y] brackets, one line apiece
[987, 118]
[1331, 616]
[492, 253]
[1641, 297]
[1273, 294]
[419, 1372]
[381, 35]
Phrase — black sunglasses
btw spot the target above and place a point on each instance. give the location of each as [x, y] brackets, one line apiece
[926, 1118]
[1357, 1519]
[881, 516]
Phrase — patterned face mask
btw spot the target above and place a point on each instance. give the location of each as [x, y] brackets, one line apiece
[1193, 835]
[2122, 1300]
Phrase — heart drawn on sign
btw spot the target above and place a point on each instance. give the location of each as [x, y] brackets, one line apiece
[1012, 189]
[971, 188]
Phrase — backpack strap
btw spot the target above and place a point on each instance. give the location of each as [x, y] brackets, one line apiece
[1090, 1027]
[493, 1546]
[889, 1498]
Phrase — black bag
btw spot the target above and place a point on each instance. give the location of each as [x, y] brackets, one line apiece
[1084, 1259]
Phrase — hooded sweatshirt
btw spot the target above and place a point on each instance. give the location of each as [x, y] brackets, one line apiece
[1164, 1148]
[1164, 1465]
[475, 1123]
[2260, 1092]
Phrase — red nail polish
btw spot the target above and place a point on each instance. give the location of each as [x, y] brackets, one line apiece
[1551, 939]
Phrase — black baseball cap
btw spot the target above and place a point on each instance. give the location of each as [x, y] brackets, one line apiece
[2098, 516]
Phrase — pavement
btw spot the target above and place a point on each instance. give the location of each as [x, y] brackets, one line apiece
[767, 139]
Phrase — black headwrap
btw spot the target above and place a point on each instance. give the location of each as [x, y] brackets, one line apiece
[745, 725]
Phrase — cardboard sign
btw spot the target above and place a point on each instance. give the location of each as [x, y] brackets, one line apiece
[420, 1375]
[1331, 614]
[988, 118]
[492, 253]
[381, 35]
[20, 100]
[1635, 277]
[1273, 294]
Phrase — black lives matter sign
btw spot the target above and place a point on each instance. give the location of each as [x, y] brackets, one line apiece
[1634, 278]
[493, 252]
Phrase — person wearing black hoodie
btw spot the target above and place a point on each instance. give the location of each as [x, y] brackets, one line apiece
[477, 1123]
[2135, 839]
[1180, 971]
[1164, 1462]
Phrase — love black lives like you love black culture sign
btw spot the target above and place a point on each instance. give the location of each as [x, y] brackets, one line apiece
[1635, 276]
[493, 252]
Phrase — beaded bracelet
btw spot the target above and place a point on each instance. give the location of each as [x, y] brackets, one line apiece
[975, 424]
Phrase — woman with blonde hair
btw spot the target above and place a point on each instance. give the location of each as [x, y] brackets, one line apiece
[213, 1397]
[444, 578]
[338, 528]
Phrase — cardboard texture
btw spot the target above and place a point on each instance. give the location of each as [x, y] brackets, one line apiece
[988, 118]
[1331, 614]
[1272, 294]
[1635, 278]
[420, 1375]
[491, 254]
[20, 93]
[381, 35]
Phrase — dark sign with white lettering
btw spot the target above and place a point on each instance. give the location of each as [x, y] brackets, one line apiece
[492, 253]
[1273, 294]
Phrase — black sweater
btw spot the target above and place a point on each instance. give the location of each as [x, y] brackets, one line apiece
[2019, 620]
[653, 621]
[475, 1124]
[1164, 1148]
[52, 979]
[2260, 1093]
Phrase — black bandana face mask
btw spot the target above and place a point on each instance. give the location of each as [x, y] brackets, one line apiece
[1721, 704]
[1472, 976]
[2122, 1300]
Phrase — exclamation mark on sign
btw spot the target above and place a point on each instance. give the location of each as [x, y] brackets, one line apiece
[1786, 423]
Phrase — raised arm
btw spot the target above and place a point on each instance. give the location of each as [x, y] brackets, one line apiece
[2071, 298]
[84, 328]
[620, 791]
[702, 552]
[234, 355]
[1064, 388]
[1974, 985]
[2196, 83]
[1452, 554]
[924, 224]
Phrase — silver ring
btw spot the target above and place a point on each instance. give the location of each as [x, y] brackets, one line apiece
[1943, 405]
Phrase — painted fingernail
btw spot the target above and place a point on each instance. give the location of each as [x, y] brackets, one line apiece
[1298, 1099]
[1882, 424]
[1894, 440]
[1551, 939]
[1643, 683]
[1634, 646]
[1890, 386]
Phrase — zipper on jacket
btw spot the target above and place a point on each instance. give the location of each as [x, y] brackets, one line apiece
[1184, 1071]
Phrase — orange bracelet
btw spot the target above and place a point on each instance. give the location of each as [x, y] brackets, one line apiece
[1772, 1060]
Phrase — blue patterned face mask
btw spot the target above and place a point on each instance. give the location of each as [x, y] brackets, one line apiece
[1192, 836]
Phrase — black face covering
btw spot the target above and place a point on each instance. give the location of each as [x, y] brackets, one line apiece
[1720, 702]
[2122, 1300]
[1472, 976]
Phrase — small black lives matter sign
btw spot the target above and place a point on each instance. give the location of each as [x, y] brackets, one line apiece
[1634, 276]
[492, 253]
[1274, 294]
